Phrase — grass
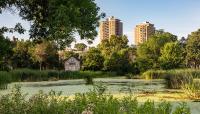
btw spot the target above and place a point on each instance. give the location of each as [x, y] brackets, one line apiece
[5, 78]
[192, 90]
[93, 102]
[175, 79]
[162, 74]
[19, 75]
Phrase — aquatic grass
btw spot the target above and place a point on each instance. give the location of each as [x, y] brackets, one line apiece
[5, 78]
[154, 74]
[192, 90]
[18, 75]
[176, 80]
[162, 74]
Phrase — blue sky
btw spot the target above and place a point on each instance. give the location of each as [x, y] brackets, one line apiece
[179, 17]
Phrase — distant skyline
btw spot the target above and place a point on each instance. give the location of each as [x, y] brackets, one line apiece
[179, 17]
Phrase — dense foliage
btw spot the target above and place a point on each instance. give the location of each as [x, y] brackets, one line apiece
[193, 50]
[57, 20]
[80, 46]
[171, 56]
[93, 60]
[150, 51]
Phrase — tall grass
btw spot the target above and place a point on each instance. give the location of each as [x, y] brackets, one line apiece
[154, 74]
[175, 79]
[5, 78]
[192, 90]
[54, 103]
[161, 74]
[46, 75]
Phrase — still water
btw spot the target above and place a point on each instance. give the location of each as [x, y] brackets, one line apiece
[70, 87]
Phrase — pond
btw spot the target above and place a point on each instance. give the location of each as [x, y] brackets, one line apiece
[70, 87]
[114, 86]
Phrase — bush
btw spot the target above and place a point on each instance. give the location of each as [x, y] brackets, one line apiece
[54, 103]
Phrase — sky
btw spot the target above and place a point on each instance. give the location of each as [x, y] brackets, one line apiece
[179, 17]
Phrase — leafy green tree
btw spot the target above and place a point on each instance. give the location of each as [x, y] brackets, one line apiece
[93, 60]
[171, 55]
[80, 46]
[45, 53]
[21, 57]
[58, 20]
[114, 44]
[119, 62]
[69, 54]
[117, 54]
[150, 51]
[193, 49]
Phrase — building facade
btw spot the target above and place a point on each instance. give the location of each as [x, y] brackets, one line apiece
[109, 27]
[143, 32]
[72, 64]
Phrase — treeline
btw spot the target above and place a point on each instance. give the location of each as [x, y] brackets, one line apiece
[110, 55]
[28, 54]
[162, 51]
[165, 51]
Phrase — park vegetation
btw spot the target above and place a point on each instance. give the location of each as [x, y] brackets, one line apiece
[93, 102]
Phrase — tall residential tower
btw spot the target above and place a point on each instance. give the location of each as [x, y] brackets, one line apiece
[109, 27]
[143, 32]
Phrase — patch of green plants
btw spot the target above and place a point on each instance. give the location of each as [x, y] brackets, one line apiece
[174, 79]
[177, 80]
[162, 74]
[19, 75]
[5, 78]
[92, 102]
[192, 90]
[154, 74]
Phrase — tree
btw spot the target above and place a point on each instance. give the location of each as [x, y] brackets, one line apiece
[5, 52]
[44, 53]
[114, 44]
[119, 62]
[193, 50]
[93, 60]
[80, 46]
[21, 57]
[69, 54]
[151, 50]
[58, 20]
[171, 55]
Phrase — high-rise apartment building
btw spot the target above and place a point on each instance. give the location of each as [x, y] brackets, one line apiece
[143, 32]
[109, 27]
